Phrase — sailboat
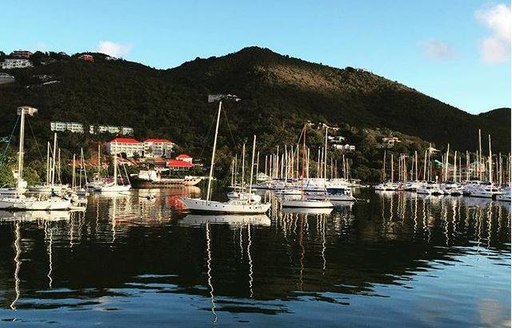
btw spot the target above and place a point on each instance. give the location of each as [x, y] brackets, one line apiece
[303, 201]
[113, 186]
[18, 201]
[232, 206]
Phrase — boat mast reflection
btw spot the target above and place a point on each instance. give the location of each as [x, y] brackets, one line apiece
[17, 262]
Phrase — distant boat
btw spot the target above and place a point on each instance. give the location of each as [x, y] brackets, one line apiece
[429, 188]
[114, 186]
[154, 179]
[315, 200]
[233, 206]
[505, 196]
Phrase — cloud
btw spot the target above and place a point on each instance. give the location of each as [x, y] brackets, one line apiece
[114, 49]
[438, 50]
[495, 48]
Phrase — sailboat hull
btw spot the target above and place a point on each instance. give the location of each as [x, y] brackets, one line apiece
[231, 207]
[27, 204]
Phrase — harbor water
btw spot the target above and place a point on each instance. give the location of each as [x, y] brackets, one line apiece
[136, 260]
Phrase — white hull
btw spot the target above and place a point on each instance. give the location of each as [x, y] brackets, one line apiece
[311, 203]
[30, 204]
[232, 206]
[113, 188]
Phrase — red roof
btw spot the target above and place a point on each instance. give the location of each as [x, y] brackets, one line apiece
[183, 156]
[157, 140]
[124, 140]
[177, 163]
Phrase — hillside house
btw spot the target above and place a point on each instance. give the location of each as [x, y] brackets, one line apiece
[86, 57]
[182, 162]
[11, 63]
[21, 54]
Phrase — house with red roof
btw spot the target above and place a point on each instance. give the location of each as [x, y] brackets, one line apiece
[129, 146]
[182, 162]
[157, 147]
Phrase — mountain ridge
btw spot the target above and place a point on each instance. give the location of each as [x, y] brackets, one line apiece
[279, 93]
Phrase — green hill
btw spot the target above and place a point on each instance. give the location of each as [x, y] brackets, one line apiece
[278, 94]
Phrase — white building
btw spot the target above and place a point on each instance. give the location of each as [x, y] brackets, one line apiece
[16, 63]
[154, 147]
[67, 126]
[346, 147]
[122, 130]
[129, 146]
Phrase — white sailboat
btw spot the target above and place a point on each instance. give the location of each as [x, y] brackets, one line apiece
[113, 186]
[233, 206]
[18, 201]
[307, 201]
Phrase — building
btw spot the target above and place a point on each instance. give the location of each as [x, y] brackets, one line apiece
[154, 147]
[346, 147]
[335, 139]
[182, 162]
[122, 130]
[389, 142]
[86, 57]
[184, 158]
[67, 126]
[129, 146]
[10, 63]
[21, 54]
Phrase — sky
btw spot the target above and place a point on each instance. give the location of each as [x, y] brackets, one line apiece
[457, 51]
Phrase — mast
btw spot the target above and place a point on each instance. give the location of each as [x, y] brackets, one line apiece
[490, 160]
[325, 157]
[252, 167]
[48, 161]
[242, 181]
[115, 169]
[213, 153]
[480, 173]
[73, 174]
[54, 160]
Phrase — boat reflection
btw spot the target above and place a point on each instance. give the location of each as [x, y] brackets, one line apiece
[232, 219]
[299, 210]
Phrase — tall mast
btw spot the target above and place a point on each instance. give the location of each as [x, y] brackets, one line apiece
[480, 173]
[54, 157]
[325, 156]
[242, 181]
[490, 160]
[213, 153]
[252, 166]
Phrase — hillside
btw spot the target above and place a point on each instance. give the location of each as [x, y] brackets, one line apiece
[278, 94]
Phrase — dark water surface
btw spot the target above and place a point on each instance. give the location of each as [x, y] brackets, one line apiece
[390, 260]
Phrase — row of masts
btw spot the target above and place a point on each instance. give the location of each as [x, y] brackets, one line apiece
[462, 166]
[287, 164]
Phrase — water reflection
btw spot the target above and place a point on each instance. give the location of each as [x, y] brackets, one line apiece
[137, 244]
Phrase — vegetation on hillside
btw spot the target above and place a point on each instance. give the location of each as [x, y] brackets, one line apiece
[278, 95]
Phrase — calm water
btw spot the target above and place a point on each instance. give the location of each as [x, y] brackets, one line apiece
[389, 260]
